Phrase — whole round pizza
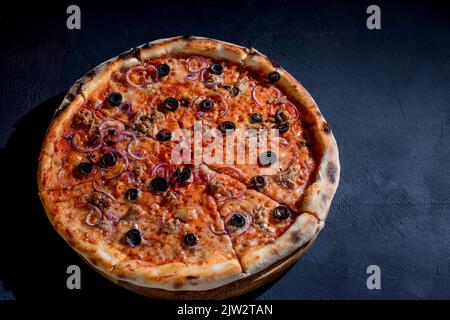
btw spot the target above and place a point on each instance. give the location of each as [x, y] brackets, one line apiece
[188, 164]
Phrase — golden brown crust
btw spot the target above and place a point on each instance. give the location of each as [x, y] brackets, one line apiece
[316, 200]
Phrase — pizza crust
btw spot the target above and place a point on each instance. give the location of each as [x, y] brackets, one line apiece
[316, 200]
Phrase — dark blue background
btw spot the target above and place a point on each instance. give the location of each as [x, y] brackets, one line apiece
[386, 94]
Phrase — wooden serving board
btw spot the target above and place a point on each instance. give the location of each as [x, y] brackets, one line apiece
[230, 290]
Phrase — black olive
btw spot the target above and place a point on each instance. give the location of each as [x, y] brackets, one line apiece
[115, 99]
[234, 91]
[177, 173]
[163, 70]
[281, 116]
[228, 88]
[206, 105]
[267, 158]
[273, 77]
[281, 212]
[164, 135]
[227, 127]
[159, 184]
[283, 128]
[216, 68]
[184, 175]
[259, 182]
[132, 195]
[85, 168]
[190, 240]
[257, 117]
[108, 160]
[238, 220]
[170, 104]
[185, 102]
[133, 237]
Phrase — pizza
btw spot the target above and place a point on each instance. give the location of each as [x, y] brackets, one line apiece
[187, 164]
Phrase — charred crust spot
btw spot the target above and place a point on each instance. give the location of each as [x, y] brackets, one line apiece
[326, 128]
[187, 36]
[253, 52]
[132, 53]
[295, 237]
[70, 97]
[331, 172]
[274, 63]
[61, 109]
[178, 284]
[191, 278]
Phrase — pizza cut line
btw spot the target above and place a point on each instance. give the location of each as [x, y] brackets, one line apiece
[112, 189]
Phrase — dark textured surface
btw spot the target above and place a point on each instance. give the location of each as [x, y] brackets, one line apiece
[385, 93]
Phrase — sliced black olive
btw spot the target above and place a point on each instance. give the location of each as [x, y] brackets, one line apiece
[228, 88]
[206, 105]
[185, 102]
[163, 70]
[273, 77]
[184, 175]
[259, 182]
[132, 195]
[177, 173]
[170, 104]
[267, 158]
[234, 91]
[281, 116]
[190, 240]
[159, 184]
[216, 68]
[257, 117]
[283, 128]
[115, 99]
[133, 237]
[238, 220]
[164, 135]
[85, 168]
[281, 212]
[108, 160]
[227, 127]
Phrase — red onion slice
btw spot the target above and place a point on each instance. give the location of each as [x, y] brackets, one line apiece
[146, 70]
[230, 171]
[192, 68]
[241, 230]
[94, 216]
[117, 124]
[296, 112]
[98, 189]
[212, 228]
[77, 147]
[137, 155]
[255, 97]
[112, 215]
[163, 169]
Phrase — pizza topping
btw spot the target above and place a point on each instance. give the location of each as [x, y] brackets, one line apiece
[159, 184]
[94, 216]
[162, 169]
[170, 104]
[237, 223]
[186, 215]
[281, 213]
[132, 213]
[190, 240]
[132, 194]
[84, 168]
[147, 123]
[140, 148]
[216, 68]
[267, 158]
[196, 63]
[133, 237]
[183, 175]
[262, 95]
[163, 70]
[86, 144]
[284, 128]
[259, 182]
[282, 116]
[108, 160]
[227, 127]
[139, 77]
[206, 105]
[234, 91]
[164, 135]
[238, 220]
[185, 102]
[100, 200]
[256, 118]
[83, 119]
[261, 219]
[115, 99]
[173, 226]
[210, 79]
[273, 77]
